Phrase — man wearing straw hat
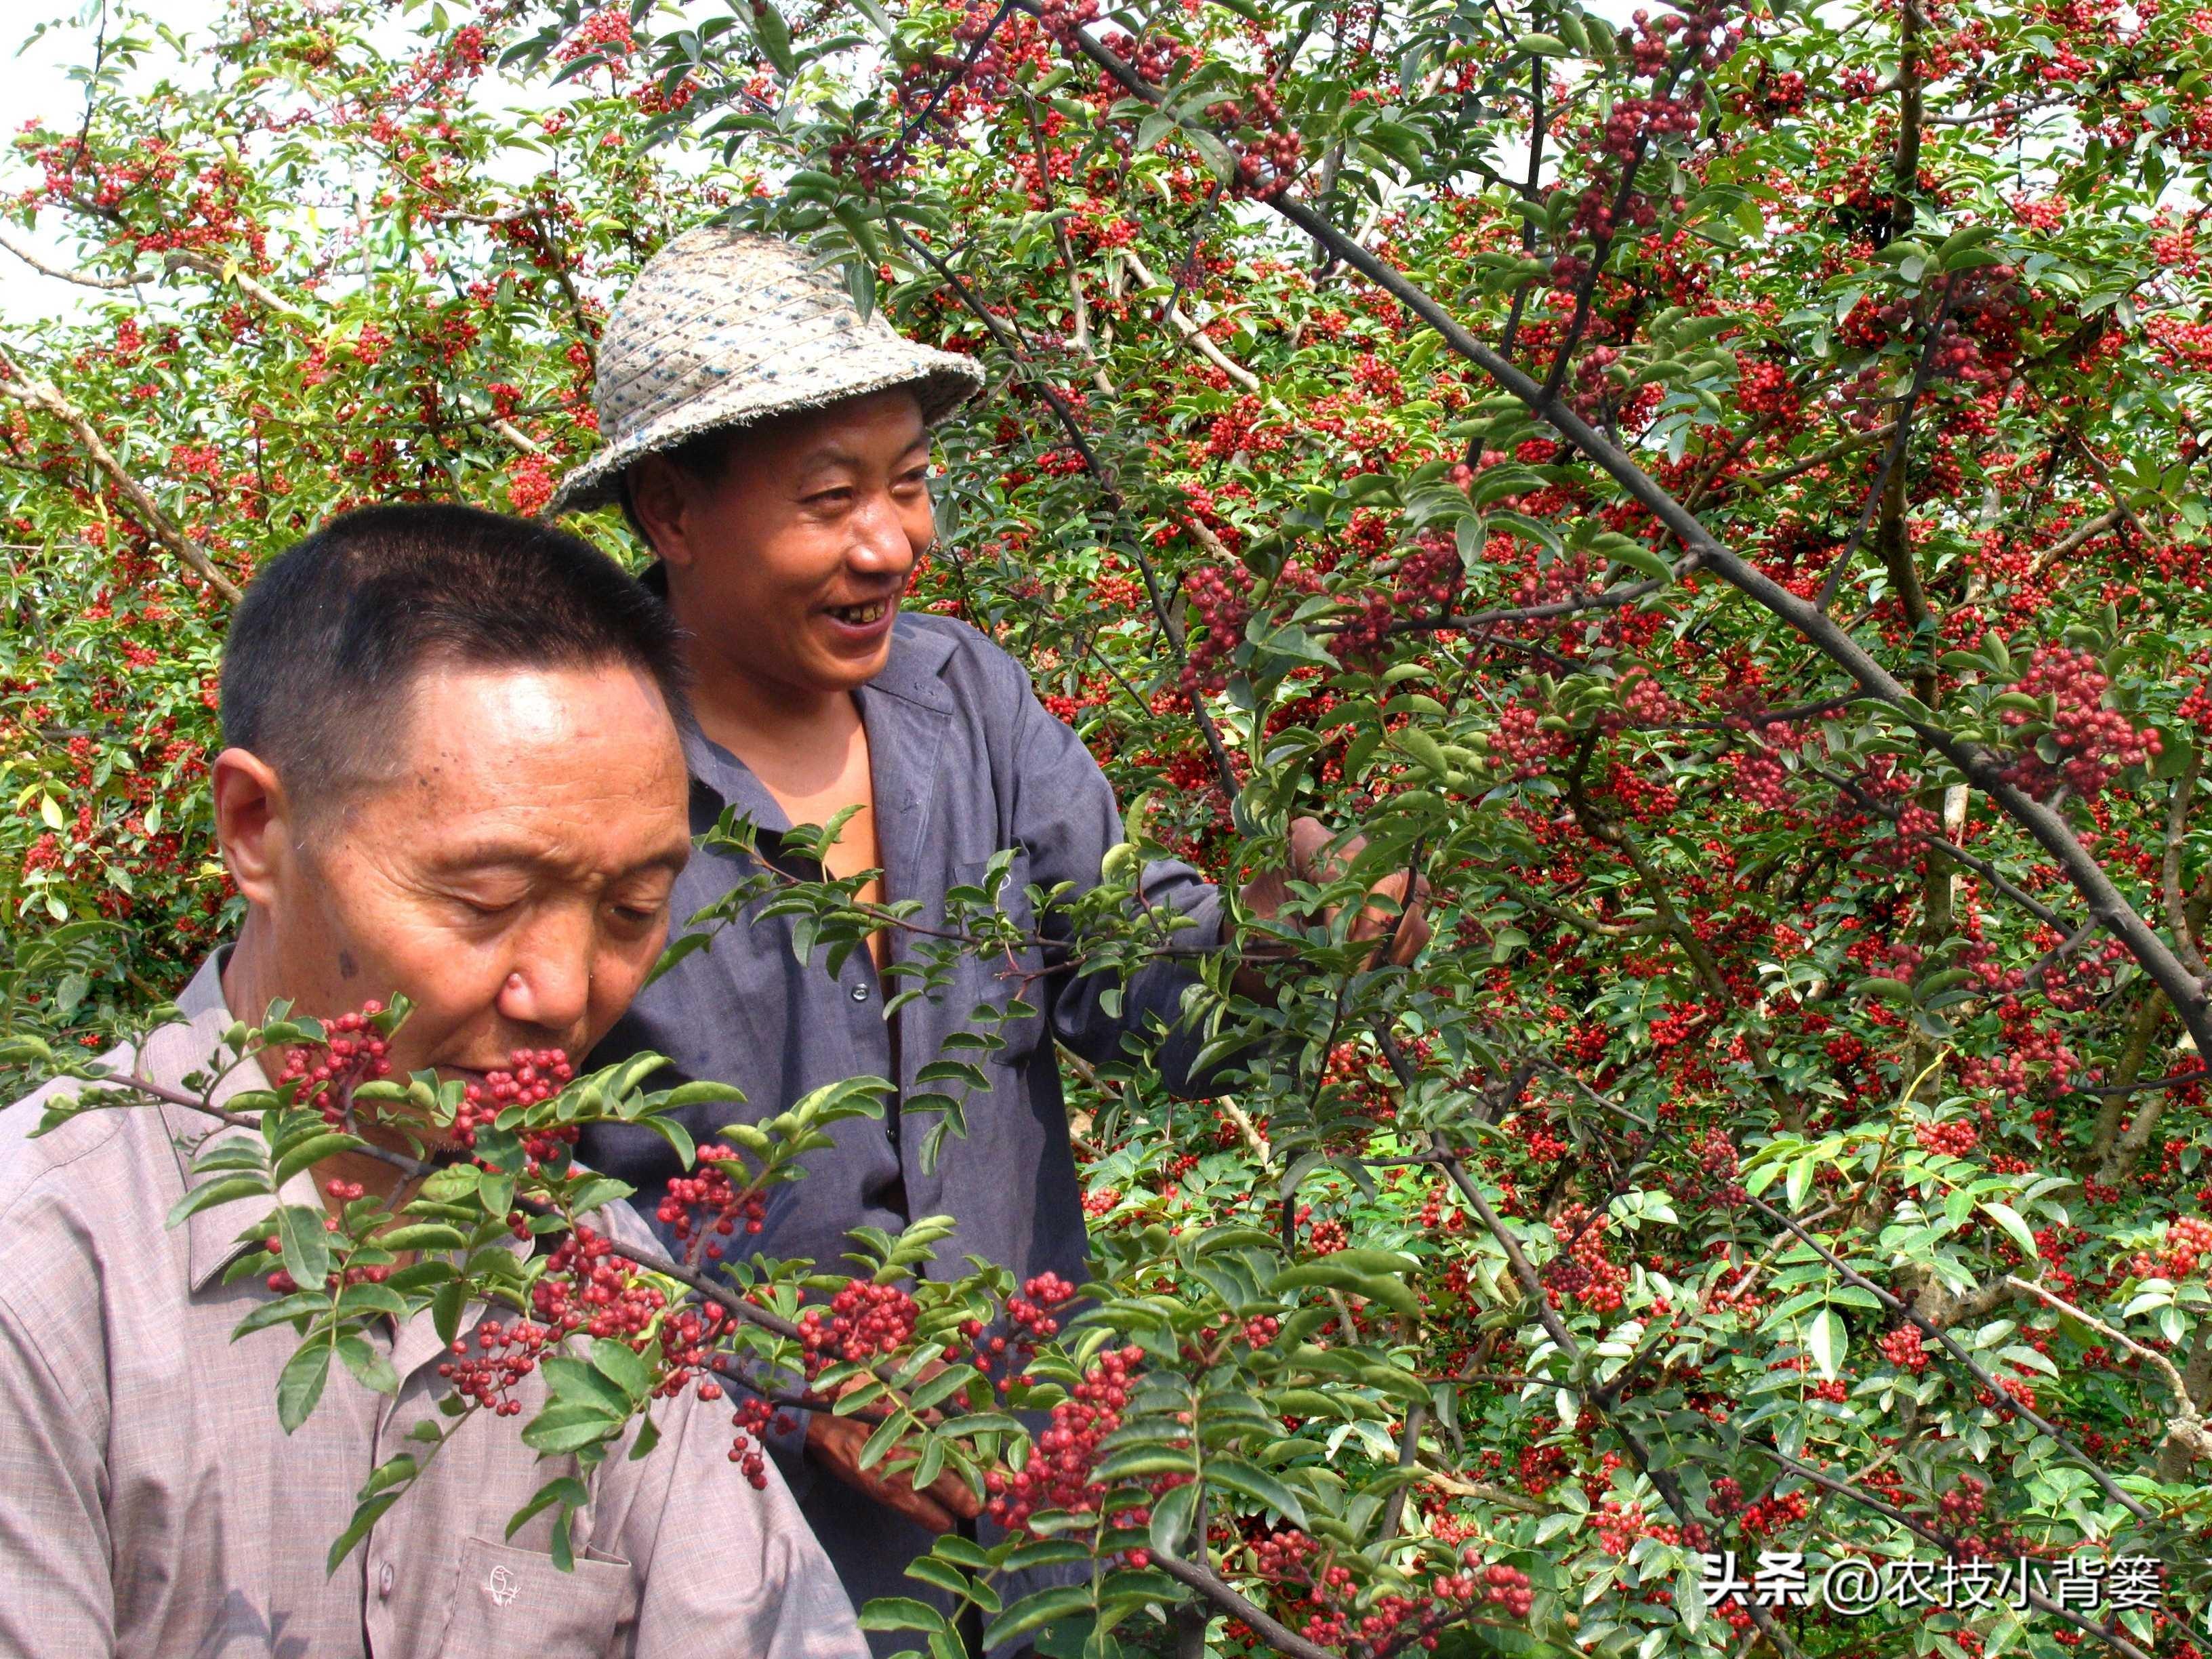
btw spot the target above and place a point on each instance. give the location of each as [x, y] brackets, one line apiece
[774, 449]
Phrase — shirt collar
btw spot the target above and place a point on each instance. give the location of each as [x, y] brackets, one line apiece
[913, 673]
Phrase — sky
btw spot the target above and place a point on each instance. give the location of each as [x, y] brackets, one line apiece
[37, 84]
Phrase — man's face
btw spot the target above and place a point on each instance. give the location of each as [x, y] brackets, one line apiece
[510, 876]
[789, 565]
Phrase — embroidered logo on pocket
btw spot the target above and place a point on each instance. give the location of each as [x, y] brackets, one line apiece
[502, 1586]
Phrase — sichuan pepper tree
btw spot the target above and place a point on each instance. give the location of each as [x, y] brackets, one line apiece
[1714, 494]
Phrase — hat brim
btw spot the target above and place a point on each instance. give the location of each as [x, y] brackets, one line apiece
[941, 381]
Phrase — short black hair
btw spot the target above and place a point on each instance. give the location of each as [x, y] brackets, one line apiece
[331, 634]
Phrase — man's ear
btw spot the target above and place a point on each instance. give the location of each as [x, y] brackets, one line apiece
[253, 823]
[660, 498]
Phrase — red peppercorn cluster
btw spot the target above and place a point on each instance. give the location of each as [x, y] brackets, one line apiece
[1522, 744]
[708, 1205]
[532, 1075]
[1506, 1588]
[1153, 59]
[506, 1354]
[1963, 1505]
[1063, 19]
[325, 1074]
[1033, 1319]
[1644, 702]
[1761, 781]
[1708, 39]
[2188, 1242]
[1223, 604]
[1773, 1514]
[586, 1286]
[688, 1338]
[1295, 1562]
[1955, 1136]
[1904, 1348]
[1031, 1312]
[862, 1321]
[1634, 120]
[1058, 1474]
[749, 1422]
[2094, 743]
[1584, 1271]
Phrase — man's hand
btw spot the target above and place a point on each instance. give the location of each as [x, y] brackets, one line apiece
[1268, 896]
[835, 1443]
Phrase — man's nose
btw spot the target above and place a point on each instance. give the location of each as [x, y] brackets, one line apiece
[884, 539]
[549, 986]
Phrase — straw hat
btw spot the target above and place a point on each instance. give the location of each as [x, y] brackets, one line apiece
[724, 328]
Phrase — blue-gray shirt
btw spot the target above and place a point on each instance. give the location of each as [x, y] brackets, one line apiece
[965, 762]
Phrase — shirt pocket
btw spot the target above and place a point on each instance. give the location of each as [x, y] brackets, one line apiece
[509, 1601]
[999, 977]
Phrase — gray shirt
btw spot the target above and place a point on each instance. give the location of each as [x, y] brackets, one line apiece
[965, 762]
[151, 1504]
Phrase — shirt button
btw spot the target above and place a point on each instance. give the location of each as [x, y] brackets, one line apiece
[385, 1579]
[860, 994]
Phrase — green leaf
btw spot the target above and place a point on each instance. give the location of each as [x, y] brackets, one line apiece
[559, 1429]
[314, 1149]
[1827, 1341]
[1239, 1476]
[300, 1384]
[1032, 1612]
[619, 1362]
[307, 1245]
[368, 1365]
[218, 1192]
[447, 1307]
[1171, 1516]
[774, 37]
[1541, 46]
[1376, 1287]
[901, 1613]
[2009, 1219]
[366, 1514]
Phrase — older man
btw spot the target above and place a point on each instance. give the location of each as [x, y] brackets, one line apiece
[775, 452]
[452, 771]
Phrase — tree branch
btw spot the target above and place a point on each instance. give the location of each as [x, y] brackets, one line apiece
[16, 382]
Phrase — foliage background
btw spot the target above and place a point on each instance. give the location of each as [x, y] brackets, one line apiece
[1904, 298]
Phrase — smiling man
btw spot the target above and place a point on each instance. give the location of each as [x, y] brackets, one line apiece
[451, 771]
[774, 450]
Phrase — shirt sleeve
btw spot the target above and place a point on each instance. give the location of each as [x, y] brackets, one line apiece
[1067, 819]
[53, 1526]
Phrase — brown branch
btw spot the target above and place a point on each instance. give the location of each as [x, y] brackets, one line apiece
[2187, 1427]
[16, 382]
[2111, 1489]
[110, 284]
[1935, 1535]
[2177, 831]
[721, 1294]
[1277, 1634]
[1193, 335]
[1822, 632]
[1225, 773]
[2073, 538]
